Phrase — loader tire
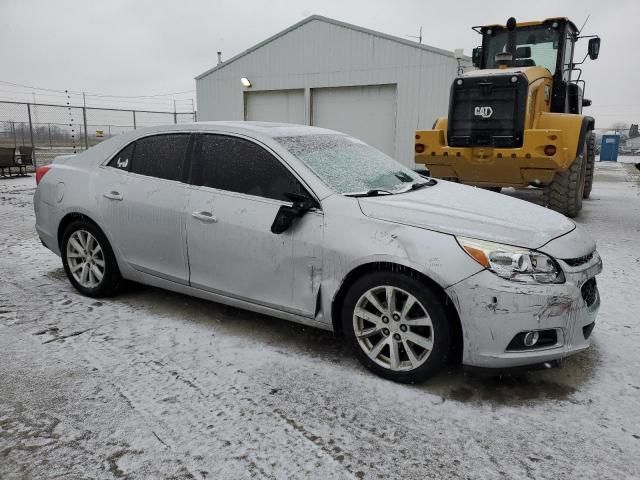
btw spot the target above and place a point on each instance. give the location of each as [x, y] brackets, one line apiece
[564, 193]
[591, 160]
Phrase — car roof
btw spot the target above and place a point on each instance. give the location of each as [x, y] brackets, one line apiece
[267, 129]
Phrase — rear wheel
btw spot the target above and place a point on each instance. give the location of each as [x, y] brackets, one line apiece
[591, 162]
[564, 193]
[397, 326]
[88, 260]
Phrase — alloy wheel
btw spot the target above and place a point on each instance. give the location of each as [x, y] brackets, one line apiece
[393, 328]
[85, 259]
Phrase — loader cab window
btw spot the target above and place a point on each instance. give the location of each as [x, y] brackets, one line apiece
[567, 57]
[537, 46]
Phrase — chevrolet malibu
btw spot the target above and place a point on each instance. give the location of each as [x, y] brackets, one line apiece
[317, 227]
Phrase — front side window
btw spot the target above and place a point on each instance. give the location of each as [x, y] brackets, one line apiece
[533, 47]
[349, 165]
[160, 156]
[238, 165]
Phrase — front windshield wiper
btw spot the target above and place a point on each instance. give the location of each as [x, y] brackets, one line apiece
[374, 192]
[418, 185]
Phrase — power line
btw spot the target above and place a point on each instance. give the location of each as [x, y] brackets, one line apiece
[95, 94]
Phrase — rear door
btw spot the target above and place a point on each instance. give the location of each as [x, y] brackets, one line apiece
[143, 200]
[238, 187]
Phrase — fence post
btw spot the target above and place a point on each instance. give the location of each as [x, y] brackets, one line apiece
[33, 149]
[86, 136]
[134, 119]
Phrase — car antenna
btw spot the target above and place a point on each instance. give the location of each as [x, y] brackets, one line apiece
[585, 22]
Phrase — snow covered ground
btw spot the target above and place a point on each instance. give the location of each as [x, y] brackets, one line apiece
[152, 384]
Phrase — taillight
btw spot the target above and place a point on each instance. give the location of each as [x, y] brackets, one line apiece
[40, 171]
[550, 150]
[419, 148]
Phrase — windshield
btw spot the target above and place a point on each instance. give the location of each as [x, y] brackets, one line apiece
[533, 47]
[349, 165]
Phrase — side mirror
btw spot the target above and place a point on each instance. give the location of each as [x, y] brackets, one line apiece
[287, 214]
[594, 48]
[284, 218]
[476, 57]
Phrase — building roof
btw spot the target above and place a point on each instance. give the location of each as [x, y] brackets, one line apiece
[320, 18]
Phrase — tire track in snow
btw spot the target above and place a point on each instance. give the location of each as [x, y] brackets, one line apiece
[214, 415]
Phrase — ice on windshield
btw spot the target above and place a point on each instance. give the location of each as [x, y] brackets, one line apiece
[347, 164]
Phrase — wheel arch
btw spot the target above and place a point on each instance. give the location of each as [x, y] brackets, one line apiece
[588, 125]
[574, 130]
[70, 217]
[366, 268]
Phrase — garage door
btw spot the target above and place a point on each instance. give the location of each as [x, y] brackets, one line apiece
[275, 106]
[367, 113]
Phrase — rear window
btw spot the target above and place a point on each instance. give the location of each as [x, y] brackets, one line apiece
[122, 161]
[160, 156]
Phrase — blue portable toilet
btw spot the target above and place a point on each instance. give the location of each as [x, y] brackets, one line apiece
[609, 147]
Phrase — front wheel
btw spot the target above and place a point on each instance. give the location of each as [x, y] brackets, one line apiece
[88, 260]
[397, 326]
[564, 194]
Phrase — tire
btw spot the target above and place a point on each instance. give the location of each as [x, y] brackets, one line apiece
[82, 268]
[423, 330]
[564, 193]
[493, 189]
[591, 161]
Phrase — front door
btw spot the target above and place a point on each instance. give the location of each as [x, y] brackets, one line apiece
[238, 187]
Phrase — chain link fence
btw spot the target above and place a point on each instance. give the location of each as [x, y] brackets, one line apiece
[52, 130]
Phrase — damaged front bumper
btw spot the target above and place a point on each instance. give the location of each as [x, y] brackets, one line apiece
[496, 314]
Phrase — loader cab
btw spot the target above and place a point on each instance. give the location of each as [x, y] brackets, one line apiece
[549, 44]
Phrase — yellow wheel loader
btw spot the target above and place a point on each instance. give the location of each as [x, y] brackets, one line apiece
[516, 120]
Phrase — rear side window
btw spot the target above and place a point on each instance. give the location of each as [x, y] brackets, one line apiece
[239, 165]
[122, 161]
[160, 156]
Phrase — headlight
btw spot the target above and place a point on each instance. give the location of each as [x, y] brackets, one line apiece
[513, 263]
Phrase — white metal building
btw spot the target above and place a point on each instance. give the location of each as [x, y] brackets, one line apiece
[331, 74]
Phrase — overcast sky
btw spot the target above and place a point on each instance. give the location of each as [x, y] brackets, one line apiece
[143, 48]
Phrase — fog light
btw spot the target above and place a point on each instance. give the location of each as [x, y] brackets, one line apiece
[531, 338]
[550, 150]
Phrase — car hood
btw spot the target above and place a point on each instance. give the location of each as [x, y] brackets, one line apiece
[471, 212]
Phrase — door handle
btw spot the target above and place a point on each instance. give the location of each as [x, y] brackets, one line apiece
[206, 217]
[113, 195]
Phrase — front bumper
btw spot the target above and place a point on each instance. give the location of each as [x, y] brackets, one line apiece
[493, 311]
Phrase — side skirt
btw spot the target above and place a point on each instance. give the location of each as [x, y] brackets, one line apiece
[230, 301]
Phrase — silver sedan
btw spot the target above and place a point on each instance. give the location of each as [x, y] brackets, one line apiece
[317, 227]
